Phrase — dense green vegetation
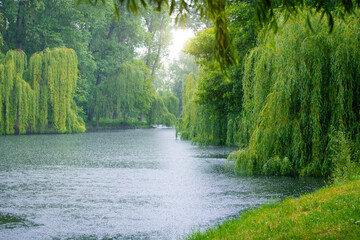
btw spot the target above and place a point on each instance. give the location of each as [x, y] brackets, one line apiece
[301, 100]
[215, 11]
[106, 76]
[39, 97]
[291, 103]
[217, 97]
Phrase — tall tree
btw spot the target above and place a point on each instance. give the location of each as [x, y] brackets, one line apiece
[301, 100]
[219, 97]
[113, 43]
[40, 98]
[178, 71]
[157, 25]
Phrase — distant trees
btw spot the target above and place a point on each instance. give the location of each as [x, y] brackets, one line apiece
[114, 81]
[112, 45]
[217, 97]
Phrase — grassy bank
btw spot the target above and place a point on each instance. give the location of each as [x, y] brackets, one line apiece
[330, 213]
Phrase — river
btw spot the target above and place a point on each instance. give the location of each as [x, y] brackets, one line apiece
[125, 184]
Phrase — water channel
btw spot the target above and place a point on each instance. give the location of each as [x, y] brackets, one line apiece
[125, 184]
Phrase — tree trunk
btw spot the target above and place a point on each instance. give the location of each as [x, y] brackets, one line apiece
[20, 27]
[92, 107]
[160, 45]
[111, 29]
[148, 22]
[115, 115]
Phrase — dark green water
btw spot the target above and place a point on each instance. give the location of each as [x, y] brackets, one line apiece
[130, 184]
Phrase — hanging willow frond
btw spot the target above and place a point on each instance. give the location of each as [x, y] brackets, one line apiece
[44, 99]
[301, 89]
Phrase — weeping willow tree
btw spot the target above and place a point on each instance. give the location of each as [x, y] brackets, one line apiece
[45, 100]
[172, 104]
[159, 113]
[128, 93]
[196, 122]
[17, 100]
[39, 85]
[302, 99]
[54, 74]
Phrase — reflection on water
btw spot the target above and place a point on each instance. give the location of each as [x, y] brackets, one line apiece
[129, 184]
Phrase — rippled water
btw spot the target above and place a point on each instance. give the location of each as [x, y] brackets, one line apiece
[128, 184]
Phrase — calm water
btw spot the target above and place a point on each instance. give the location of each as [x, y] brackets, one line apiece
[130, 184]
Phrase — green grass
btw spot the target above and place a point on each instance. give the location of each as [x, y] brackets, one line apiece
[330, 213]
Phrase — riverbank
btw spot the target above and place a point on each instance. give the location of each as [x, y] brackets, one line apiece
[330, 213]
[113, 124]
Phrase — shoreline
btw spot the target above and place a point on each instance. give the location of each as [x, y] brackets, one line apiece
[332, 212]
[101, 128]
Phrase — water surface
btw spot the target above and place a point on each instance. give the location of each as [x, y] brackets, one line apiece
[126, 184]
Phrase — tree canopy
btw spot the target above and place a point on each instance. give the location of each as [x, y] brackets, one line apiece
[291, 104]
[113, 79]
[301, 103]
[216, 97]
[38, 97]
[265, 12]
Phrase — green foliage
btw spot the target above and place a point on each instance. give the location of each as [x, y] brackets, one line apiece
[183, 125]
[129, 92]
[14, 95]
[196, 122]
[330, 213]
[25, 100]
[106, 123]
[105, 47]
[216, 97]
[201, 46]
[179, 69]
[61, 75]
[48, 24]
[301, 97]
[216, 12]
[208, 9]
[159, 113]
[45, 99]
[172, 104]
[204, 116]
[340, 149]
[120, 87]
[299, 89]
[157, 38]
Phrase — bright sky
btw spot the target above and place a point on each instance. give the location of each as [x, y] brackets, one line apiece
[180, 36]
